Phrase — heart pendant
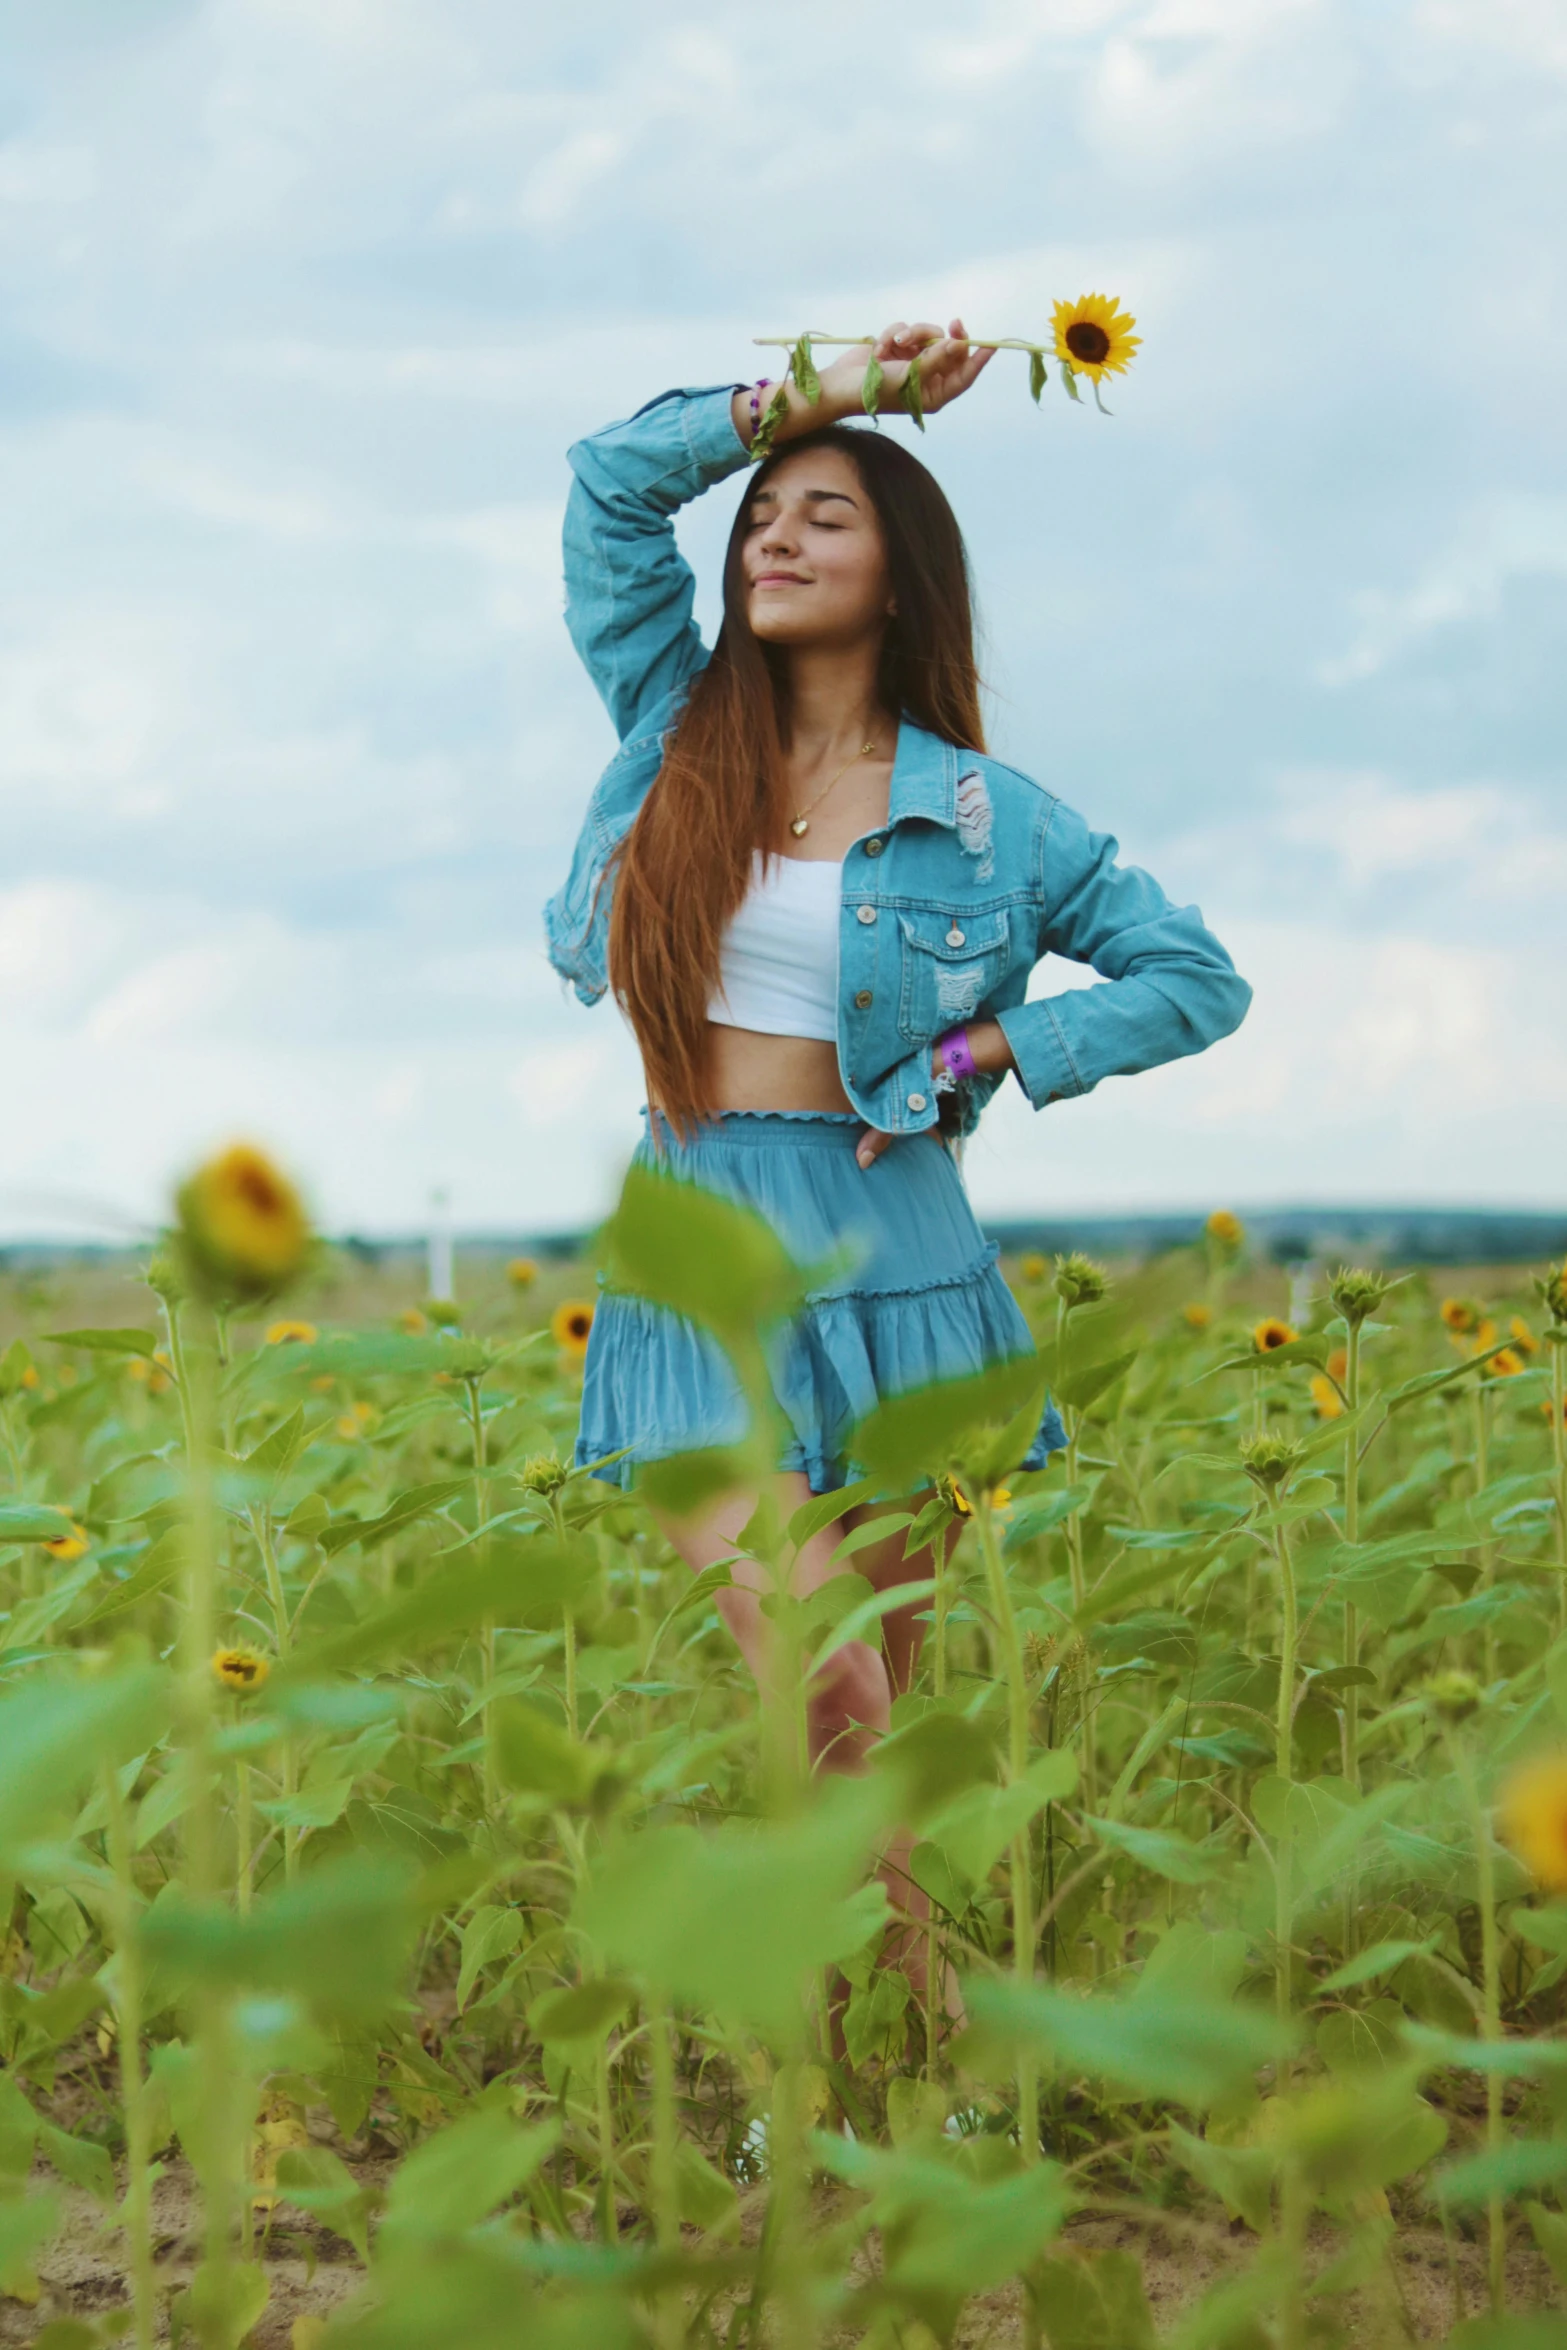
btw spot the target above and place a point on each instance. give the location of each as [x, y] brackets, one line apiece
[800, 827]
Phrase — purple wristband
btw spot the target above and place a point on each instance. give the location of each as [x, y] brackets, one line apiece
[955, 1054]
[757, 389]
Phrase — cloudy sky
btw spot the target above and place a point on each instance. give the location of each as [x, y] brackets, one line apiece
[300, 303]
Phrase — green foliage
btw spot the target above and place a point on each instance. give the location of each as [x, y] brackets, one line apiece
[504, 1868]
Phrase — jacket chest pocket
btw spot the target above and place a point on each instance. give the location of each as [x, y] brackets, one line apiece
[950, 964]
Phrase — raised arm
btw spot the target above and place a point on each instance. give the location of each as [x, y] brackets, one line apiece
[629, 589]
[1171, 988]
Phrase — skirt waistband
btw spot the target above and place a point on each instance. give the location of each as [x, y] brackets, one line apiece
[758, 1127]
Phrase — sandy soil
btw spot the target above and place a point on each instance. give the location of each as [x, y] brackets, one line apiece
[312, 2271]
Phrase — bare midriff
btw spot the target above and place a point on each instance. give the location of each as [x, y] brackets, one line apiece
[751, 1071]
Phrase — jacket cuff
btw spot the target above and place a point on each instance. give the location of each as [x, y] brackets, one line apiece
[716, 448]
[1044, 1066]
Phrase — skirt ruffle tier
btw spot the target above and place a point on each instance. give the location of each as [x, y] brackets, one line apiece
[923, 1300]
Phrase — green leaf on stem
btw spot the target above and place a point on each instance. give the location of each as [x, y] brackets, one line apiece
[913, 394]
[1038, 374]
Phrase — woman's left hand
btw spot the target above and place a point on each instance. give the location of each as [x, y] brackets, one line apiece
[987, 1041]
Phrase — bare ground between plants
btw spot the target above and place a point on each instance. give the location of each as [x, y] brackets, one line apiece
[82, 2274]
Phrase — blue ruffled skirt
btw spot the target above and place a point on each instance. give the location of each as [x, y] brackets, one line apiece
[923, 1299]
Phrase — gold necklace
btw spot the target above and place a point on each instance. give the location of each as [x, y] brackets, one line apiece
[801, 823]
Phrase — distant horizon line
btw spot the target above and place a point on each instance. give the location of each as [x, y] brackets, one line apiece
[1412, 1229]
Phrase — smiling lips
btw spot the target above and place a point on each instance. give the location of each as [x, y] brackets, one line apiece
[779, 579]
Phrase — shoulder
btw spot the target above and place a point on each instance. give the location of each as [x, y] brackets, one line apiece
[1020, 800]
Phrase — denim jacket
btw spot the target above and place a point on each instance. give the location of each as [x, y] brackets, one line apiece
[976, 874]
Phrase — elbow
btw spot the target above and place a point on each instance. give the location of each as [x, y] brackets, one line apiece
[1232, 1006]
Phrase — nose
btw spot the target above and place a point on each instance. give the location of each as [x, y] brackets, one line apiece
[779, 537]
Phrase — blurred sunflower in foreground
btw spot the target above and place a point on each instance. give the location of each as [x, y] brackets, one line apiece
[1534, 1819]
[1094, 337]
[571, 1326]
[244, 1230]
[1270, 1334]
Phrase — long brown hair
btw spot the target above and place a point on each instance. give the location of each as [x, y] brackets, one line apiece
[685, 865]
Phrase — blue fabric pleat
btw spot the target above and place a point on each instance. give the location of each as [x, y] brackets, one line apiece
[913, 1295]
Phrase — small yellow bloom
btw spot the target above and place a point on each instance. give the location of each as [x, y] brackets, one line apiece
[138, 1368]
[243, 1224]
[1485, 1336]
[282, 1333]
[1549, 1409]
[1505, 1365]
[1338, 1364]
[522, 1272]
[953, 1491]
[1271, 1333]
[1458, 1314]
[1094, 335]
[1033, 1267]
[571, 1325]
[364, 1413]
[1326, 1397]
[1522, 1336]
[1534, 1819]
[240, 1669]
[30, 1375]
[1197, 1315]
[411, 1320]
[356, 1421]
[67, 1546]
[1226, 1228]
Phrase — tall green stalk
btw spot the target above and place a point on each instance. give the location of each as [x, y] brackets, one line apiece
[1021, 1867]
[1491, 2006]
[1284, 1764]
[1559, 1457]
[492, 1783]
[130, 1991]
[221, 2158]
[1352, 1536]
[282, 1635]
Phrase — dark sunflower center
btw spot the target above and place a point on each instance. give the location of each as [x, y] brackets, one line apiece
[580, 1325]
[261, 1194]
[1088, 342]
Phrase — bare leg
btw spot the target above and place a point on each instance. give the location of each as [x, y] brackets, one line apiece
[903, 1633]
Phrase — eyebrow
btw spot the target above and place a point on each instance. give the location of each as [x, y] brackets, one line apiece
[812, 497]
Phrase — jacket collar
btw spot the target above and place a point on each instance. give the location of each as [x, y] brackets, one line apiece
[924, 778]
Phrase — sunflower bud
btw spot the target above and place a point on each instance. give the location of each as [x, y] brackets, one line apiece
[1269, 1460]
[1226, 1231]
[1357, 1293]
[1079, 1281]
[243, 1231]
[1551, 1287]
[543, 1472]
[1452, 1696]
[465, 1358]
[163, 1278]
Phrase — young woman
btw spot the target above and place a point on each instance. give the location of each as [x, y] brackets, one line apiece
[818, 902]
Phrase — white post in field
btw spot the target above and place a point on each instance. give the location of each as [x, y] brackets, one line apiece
[440, 1279]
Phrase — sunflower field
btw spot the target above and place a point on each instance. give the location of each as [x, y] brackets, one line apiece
[417, 1933]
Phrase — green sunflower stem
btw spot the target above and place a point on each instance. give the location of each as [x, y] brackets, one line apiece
[1491, 2006]
[220, 2163]
[129, 2006]
[1017, 1765]
[1559, 1456]
[1284, 1764]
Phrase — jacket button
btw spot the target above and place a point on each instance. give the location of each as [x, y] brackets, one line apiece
[873, 848]
[867, 913]
[916, 1101]
[862, 1002]
[954, 936]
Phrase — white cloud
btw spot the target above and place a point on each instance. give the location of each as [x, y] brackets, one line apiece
[1510, 538]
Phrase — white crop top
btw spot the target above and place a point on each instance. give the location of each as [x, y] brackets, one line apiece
[778, 971]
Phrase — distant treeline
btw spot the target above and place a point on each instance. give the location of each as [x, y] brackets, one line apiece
[1383, 1236]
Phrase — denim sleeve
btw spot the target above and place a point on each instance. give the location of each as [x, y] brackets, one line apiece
[1171, 988]
[628, 588]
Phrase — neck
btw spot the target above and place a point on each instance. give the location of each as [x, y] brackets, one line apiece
[833, 696]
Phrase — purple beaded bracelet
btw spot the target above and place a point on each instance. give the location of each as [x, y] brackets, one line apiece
[955, 1054]
[764, 384]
